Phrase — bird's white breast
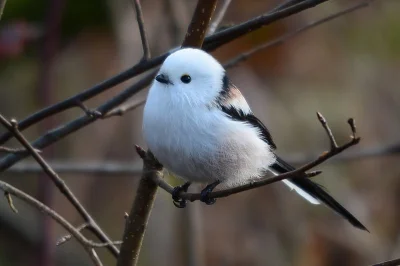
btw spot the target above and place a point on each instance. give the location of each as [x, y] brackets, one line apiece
[202, 144]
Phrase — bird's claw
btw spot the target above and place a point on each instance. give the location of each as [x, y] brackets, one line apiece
[204, 196]
[205, 193]
[177, 200]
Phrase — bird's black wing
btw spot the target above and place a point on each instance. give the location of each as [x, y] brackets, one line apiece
[225, 102]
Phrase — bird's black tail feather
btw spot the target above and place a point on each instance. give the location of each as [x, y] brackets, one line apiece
[316, 191]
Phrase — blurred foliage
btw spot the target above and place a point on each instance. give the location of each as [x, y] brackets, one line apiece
[77, 14]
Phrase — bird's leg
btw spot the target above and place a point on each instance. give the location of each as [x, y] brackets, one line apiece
[204, 196]
[178, 201]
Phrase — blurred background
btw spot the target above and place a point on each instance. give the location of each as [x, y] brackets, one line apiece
[50, 50]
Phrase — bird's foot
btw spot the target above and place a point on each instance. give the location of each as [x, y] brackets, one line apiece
[205, 193]
[177, 200]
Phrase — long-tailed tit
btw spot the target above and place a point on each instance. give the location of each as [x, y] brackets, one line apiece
[200, 127]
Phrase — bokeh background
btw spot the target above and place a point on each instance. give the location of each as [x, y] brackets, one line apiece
[350, 67]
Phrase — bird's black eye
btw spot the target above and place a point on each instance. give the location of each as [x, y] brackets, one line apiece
[186, 78]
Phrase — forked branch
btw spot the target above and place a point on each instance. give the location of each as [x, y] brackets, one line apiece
[12, 126]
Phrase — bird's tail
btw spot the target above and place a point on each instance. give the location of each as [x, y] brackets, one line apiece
[313, 192]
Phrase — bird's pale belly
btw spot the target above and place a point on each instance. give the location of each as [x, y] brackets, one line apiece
[226, 162]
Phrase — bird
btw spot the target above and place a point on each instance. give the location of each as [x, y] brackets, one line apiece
[199, 126]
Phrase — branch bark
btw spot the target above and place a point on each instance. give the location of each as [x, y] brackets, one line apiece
[140, 212]
[199, 24]
[394, 262]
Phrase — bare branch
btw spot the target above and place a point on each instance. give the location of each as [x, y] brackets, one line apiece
[298, 173]
[199, 24]
[120, 111]
[12, 126]
[232, 33]
[54, 135]
[54, 215]
[287, 4]
[65, 238]
[88, 112]
[79, 167]
[10, 202]
[394, 262]
[14, 150]
[332, 140]
[136, 222]
[219, 17]
[280, 40]
[143, 37]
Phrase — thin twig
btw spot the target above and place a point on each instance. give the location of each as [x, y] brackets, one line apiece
[143, 37]
[298, 173]
[80, 167]
[286, 4]
[328, 131]
[280, 40]
[65, 238]
[88, 112]
[14, 150]
[219, 17]
[12, 126]
[87, 244]
[120, 111]
[10, 202]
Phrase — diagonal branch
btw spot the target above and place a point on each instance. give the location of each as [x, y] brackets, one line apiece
[120, 111]
[87, 244]
[55, 135]
[280, 40]
[12, 126]
[298, 173]
[222, 37]
[394, 262]
[13, 150]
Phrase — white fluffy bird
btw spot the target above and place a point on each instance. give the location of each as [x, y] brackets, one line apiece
[200, 127]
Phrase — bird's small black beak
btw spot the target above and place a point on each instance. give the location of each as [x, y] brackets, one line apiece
[162, 78]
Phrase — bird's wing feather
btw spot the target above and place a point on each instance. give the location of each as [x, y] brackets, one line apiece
[233, 104]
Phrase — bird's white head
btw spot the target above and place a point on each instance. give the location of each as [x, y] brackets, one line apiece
[190, 75]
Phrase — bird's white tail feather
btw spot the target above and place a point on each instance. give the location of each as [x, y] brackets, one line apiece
[301, 192]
